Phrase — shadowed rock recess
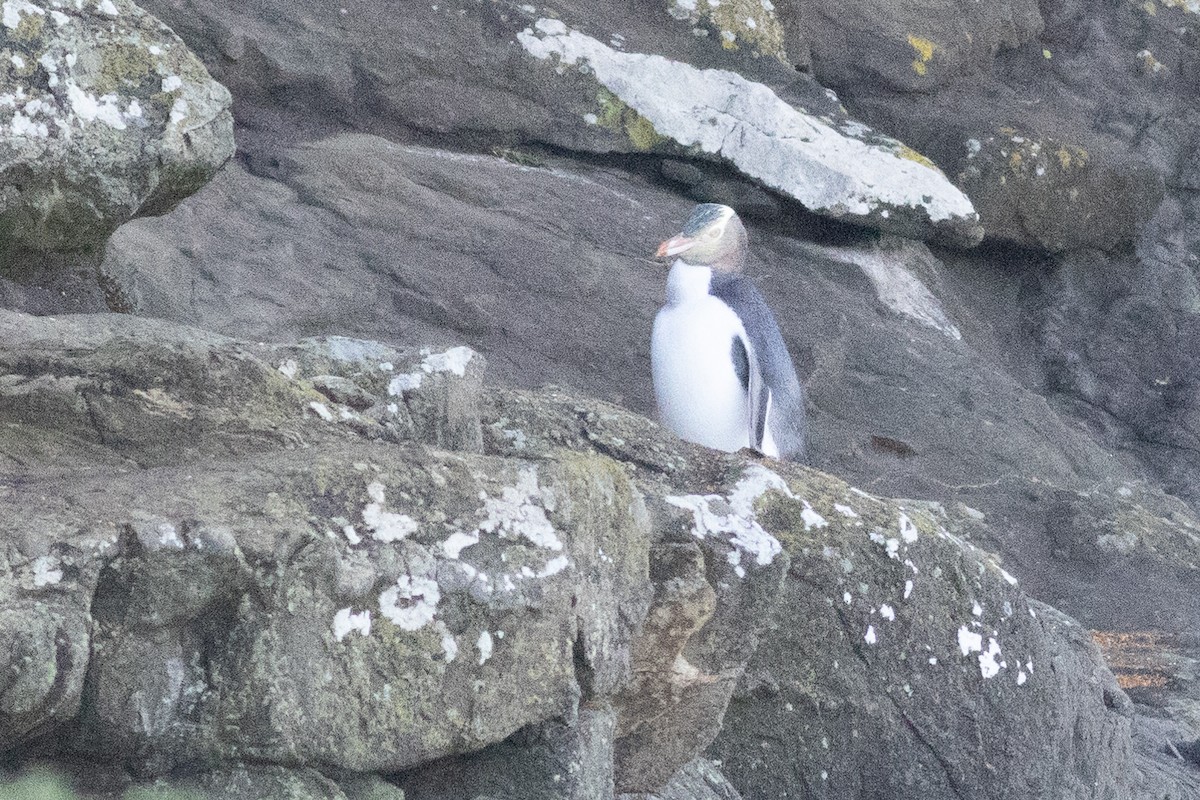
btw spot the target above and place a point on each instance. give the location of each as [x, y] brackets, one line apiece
[324, 472]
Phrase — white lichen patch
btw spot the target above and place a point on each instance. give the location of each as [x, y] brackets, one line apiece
[845, 511]
[554, 566]
[346, 621]
[321, 410]
[449, 643]
[171, 83]
[521, 511]
[969, 641]
[107, 7]
[454, 360]
[908, 587]
[722, 113]
[405, 383]
[811, 518]
[869, 638]
[484, 644]
[13, 9]
[458, 541]
[288, 368]
[90, 108]
[887, 612]
[179, 111]
[386, 526]
[411, 603]
[989, 663]
[168, 536]
[47, 571]
[734, 519]
[908, 531]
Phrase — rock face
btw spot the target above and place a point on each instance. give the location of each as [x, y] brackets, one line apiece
[106, 115]
[838, 170]
[913, 623]
[507, 72]
[488, 180]
[314, 584]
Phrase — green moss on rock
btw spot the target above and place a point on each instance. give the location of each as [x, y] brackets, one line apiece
[615, 115]
[122, 67]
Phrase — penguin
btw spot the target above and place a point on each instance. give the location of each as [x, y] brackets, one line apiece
[723, 377]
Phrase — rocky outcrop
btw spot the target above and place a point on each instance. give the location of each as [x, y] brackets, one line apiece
[668, 83]
[839, 169]
[561, 606]
[106, 115]
[494, 176]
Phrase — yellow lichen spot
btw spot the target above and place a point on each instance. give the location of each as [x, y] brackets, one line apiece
[748, 22]
[1150, 8]
[924, 49]
[1149, 64]
[619, 117]
[641, 132]
[123, 67]
[1069, 157]
[907, 153]
[1014, 162]
[28, 28]
[1047, 54]
[611, 109]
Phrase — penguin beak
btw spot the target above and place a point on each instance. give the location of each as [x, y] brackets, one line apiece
[674, 246]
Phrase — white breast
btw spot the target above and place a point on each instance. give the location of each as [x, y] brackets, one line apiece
[699, 394]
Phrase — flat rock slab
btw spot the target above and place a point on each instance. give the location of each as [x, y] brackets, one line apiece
[841, 169]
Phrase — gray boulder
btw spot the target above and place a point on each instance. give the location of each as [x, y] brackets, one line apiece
[564, 614]
[388, 605]
[107, 115]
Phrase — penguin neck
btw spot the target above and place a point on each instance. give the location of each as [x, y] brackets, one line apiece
[687, 282]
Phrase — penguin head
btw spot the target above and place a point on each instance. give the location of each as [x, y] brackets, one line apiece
[712, 237]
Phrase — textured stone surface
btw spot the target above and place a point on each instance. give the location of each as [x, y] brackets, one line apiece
[841, 169]
[909, 47]
[698, 780]
[336, 593]
[106, 115]
[1044, 397]
[564, 614]
[571, 89]
[910, 617]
